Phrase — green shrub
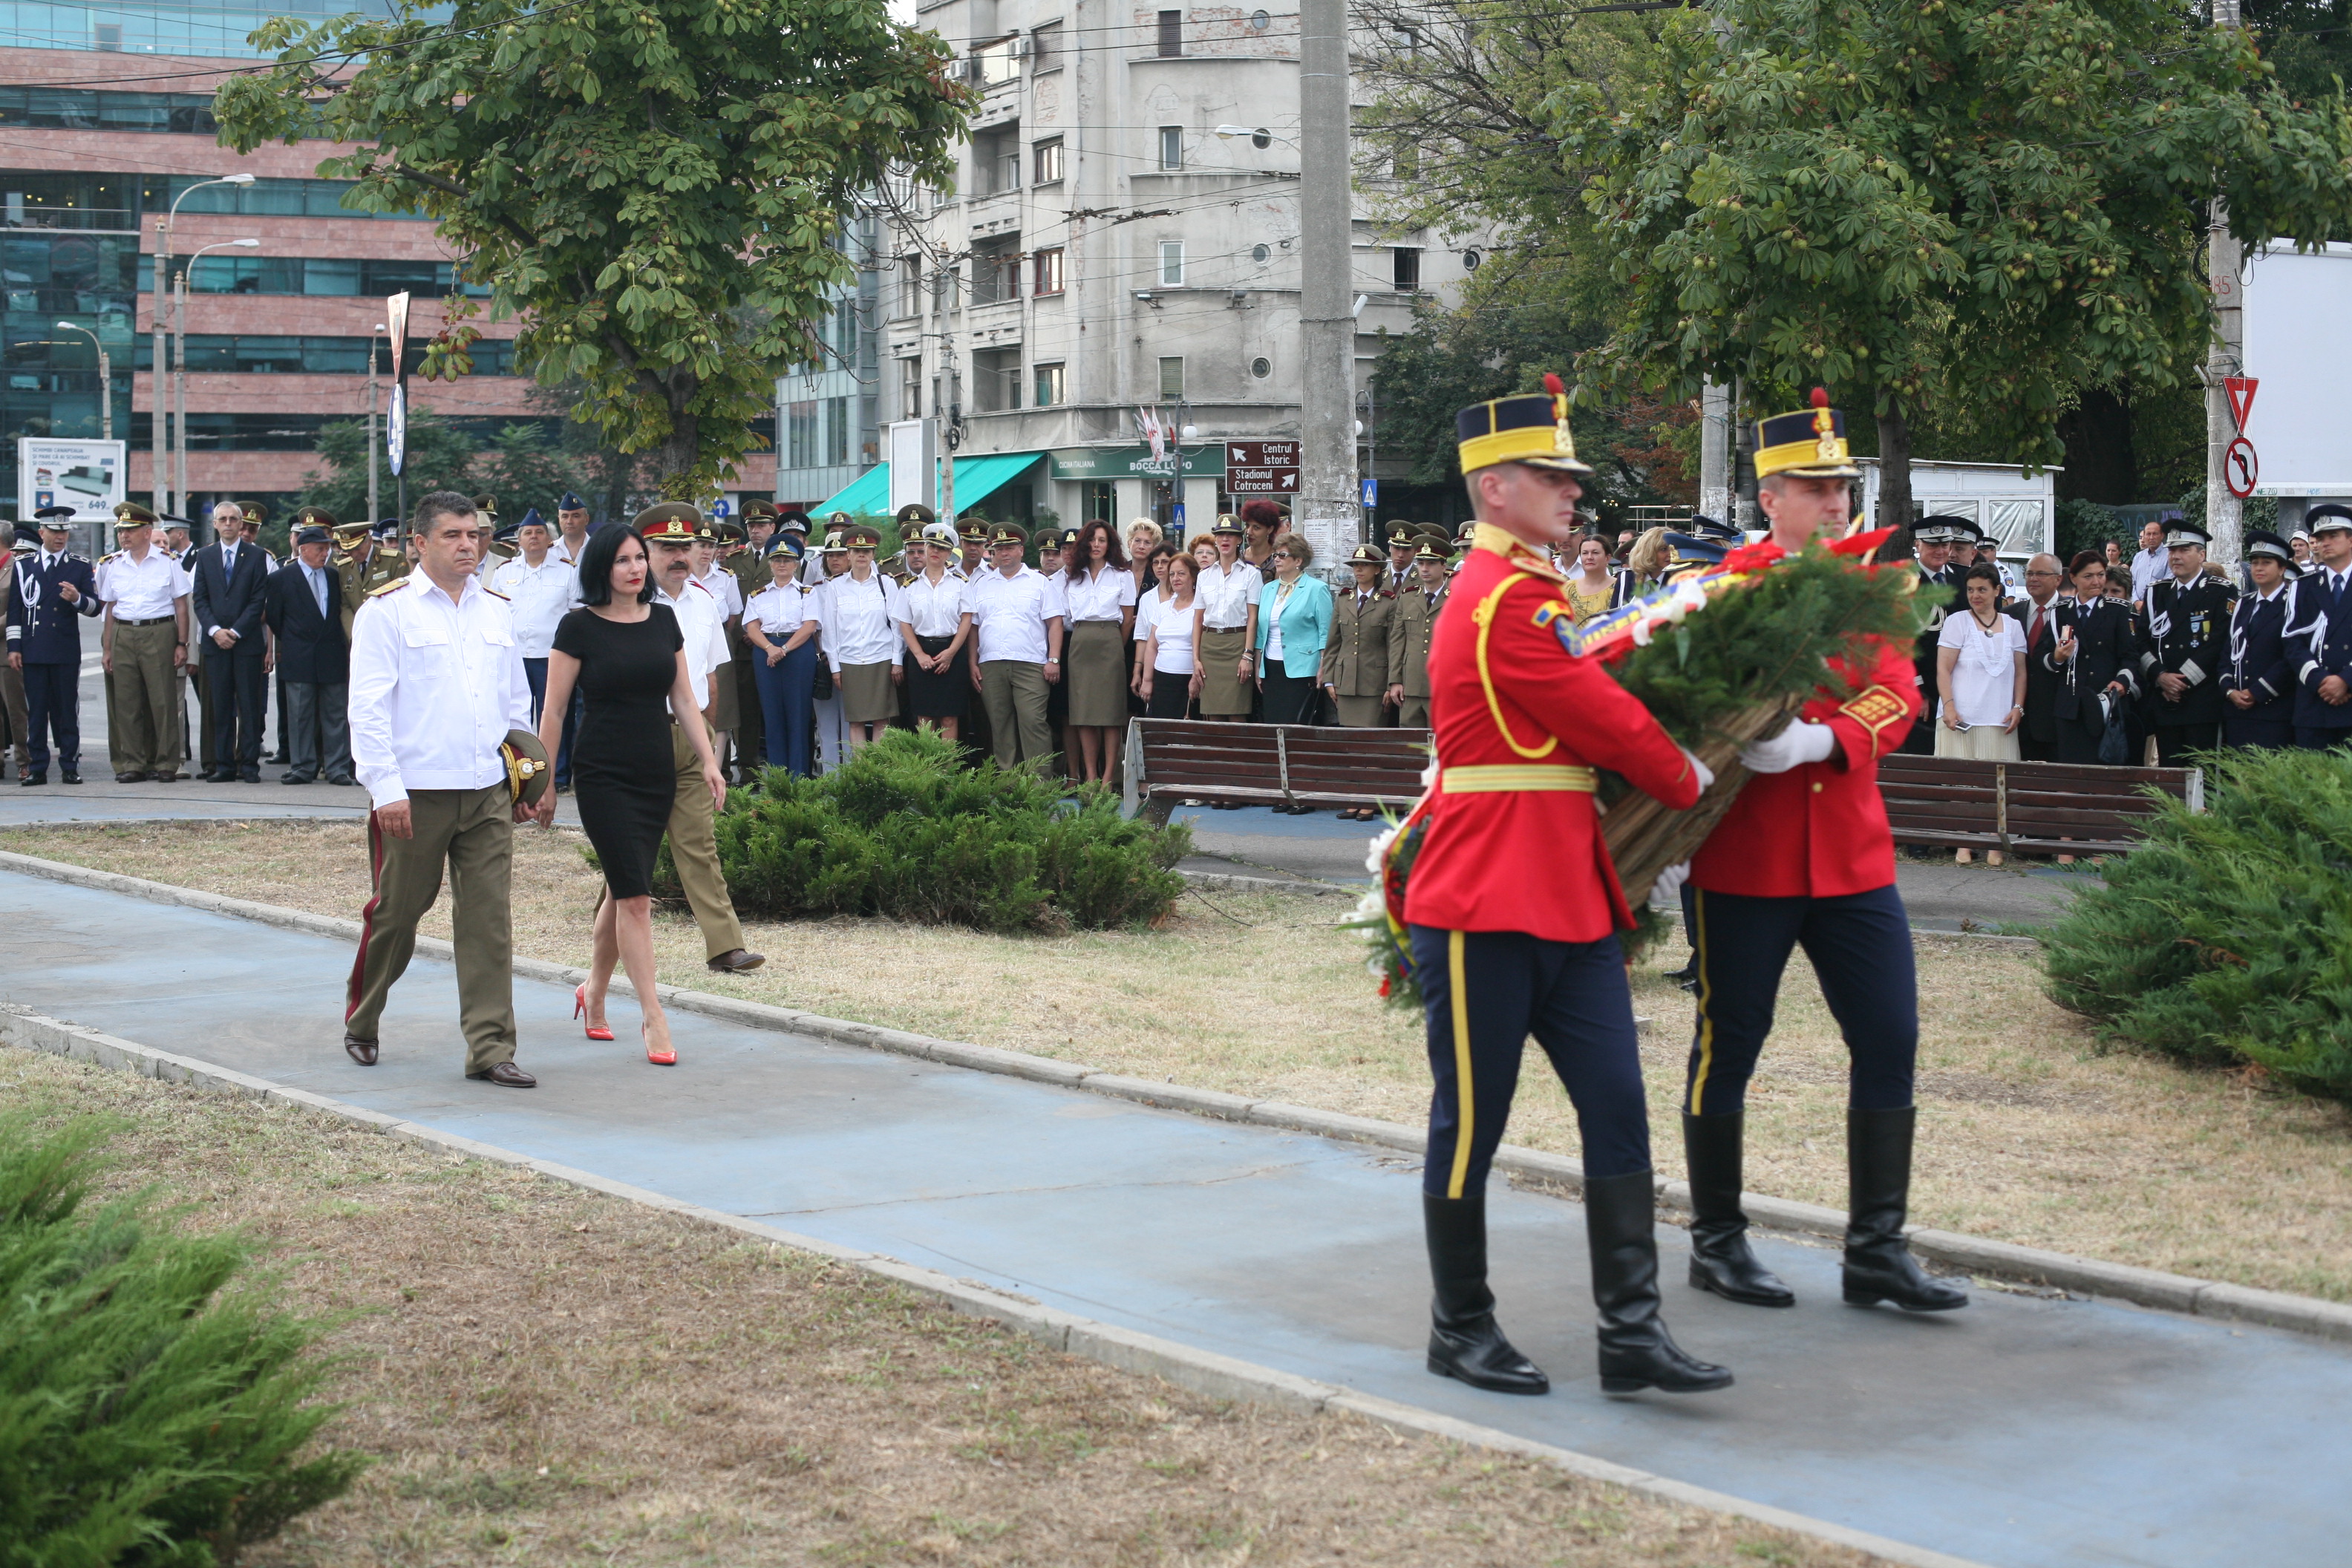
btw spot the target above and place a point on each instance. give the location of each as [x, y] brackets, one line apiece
[152, 1404]
[2228, 937]
[906, 831]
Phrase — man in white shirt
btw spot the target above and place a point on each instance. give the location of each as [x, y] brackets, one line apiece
[670, 532]
[436, 684]
[1015, 617]
[2153, 563]
[542, 587]
[144, 643]
[571, 528]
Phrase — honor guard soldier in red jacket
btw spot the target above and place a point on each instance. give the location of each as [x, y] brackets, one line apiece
[1512, 909]
[1805, 857]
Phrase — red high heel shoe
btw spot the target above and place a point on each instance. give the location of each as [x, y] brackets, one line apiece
[579, 1010]
[667, 1058]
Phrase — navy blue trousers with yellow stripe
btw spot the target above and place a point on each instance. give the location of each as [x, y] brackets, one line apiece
[1486, 993]
[1860, 946]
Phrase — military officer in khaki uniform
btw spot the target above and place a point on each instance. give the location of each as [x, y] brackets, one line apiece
[143, 642]
[748, 564]
[497, 544]
[372, 559]
[1356, 660]
[1415, 619]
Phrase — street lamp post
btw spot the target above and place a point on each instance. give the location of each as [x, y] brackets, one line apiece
[158, 442]
[105, 380]
[179, 358]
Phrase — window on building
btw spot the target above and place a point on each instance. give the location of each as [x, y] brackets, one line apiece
[1404, 265]
[996, 380]
[1053, 387]
[946, 290]
[1171, 264]
[996, 63]
[1171, 146]
[844, 333]
[1172, 33]
[1047, 272]
[800, 424]
[1171, 377]
[836, 429]
[996, 160]
[910, 286]
[1045, 50]
[911, 389]
[1048, 161]
[996, 270]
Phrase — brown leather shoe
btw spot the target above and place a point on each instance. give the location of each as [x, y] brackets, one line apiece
[735, 961]
[361, 1051]
[505, 1075]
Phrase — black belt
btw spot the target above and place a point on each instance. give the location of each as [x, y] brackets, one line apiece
[154, 621]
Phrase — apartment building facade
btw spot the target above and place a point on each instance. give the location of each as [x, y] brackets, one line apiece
[1121, 250]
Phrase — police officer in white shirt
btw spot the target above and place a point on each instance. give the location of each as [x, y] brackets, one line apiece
[670, 530]
[542, 586]
[1015, 614]
[436, 684]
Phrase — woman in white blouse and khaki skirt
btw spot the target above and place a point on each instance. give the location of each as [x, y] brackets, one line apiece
[1099, 591]
[1224, 632]
[862, 644]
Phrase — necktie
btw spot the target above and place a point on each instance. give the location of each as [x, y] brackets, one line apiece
[2040, 615]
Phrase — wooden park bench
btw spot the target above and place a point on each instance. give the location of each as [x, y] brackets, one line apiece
[2052, 808]
[1171, 760]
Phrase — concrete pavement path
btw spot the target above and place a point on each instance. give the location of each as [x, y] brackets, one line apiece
[2025, 1432]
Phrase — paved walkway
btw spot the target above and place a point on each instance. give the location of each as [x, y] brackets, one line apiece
[2025, 1432]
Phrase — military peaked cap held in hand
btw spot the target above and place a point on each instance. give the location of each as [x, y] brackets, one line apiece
[1809, 444]
[2320, 519]
[1531, 429]
[671, 521]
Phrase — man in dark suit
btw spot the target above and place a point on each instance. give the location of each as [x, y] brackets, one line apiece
[303, 611]
[231, 576]
[1935, 538]
[49, 590]
[2318, 634]
[2037, 732]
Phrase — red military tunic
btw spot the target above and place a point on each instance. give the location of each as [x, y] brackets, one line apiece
[1504, 694]
[1820, 830]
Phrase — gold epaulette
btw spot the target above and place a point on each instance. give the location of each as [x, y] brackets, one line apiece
[494, 593]
[383, 588]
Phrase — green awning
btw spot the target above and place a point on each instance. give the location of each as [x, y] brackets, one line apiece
[976, 479]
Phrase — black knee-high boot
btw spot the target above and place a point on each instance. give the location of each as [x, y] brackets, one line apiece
[1721, 1260]
[1464, 1341]
[1636, 1352]
[1878, 1262]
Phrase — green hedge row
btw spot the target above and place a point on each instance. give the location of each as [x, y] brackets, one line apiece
[2228, 937]
[155, 1406]
[908, 831]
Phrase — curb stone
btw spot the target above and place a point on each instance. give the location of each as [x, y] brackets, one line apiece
[1203, 1371]
[2086, 1276]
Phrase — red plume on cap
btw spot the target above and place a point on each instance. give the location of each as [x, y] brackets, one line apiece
[1821, 398]
[1553, 385]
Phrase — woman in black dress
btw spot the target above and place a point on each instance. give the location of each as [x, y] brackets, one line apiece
[628, 658]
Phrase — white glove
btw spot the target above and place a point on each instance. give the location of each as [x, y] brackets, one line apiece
[1802, 742]
[1670, 882]
[1705, 775]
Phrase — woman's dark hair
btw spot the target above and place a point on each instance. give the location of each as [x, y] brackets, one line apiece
[1986, 570]
[1081, 556]
[596, 558]
[2085, 558]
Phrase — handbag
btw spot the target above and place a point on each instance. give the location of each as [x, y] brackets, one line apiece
[2115, 750]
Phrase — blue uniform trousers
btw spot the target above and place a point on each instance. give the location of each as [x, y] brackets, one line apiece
[1860, 946]
[534, 675]
[787, 706]
[1486, 992]
[2310, 737]
[53, 706]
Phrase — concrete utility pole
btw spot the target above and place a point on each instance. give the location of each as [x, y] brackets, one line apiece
[2224, 515]
[1329, 508]
[1714, 443]
[380, 328]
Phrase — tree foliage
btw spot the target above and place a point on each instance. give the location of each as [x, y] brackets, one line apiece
[1918, 204]
[656, 188]
[439, 458]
